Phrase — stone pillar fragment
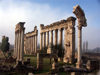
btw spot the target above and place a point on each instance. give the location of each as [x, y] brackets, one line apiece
[69, 41]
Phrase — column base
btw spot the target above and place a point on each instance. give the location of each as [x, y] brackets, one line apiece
[78, 65]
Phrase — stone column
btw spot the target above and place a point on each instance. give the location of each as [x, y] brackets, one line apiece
[51, 37]
[79, 46]
[31, 45]
[28, 44]
[15, 46]
[81, 23]
[61, 37]
[56, 37]
[44, 39]
[18, 47]
[47, 39]
[40, 41]
[22, 45]
[35, 43]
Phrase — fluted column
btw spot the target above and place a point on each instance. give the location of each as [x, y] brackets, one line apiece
[41, 41]
[51, 38]
[56, 36]
[31, 44]
[61, 37]
[15, 51]
[22, 45]
[44, 40]
[18, 55]
[35, 43]
[47, 39]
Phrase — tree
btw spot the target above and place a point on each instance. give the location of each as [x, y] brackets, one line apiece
[5, 45]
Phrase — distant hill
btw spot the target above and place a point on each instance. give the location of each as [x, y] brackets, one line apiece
[96, 50]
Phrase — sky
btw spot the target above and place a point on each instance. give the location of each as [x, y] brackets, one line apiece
[36, 12]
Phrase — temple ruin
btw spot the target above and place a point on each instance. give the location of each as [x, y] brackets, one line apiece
[52, 35]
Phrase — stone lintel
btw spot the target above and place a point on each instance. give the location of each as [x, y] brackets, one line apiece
[80, 16]
[20, 26]
[57, 25]
[30, 34]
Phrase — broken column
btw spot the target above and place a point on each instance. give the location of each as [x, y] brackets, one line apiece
[81, 23]
[69, 41]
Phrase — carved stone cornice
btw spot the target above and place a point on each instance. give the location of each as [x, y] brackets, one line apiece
[80, 16]
[58, 25]
[20, 26]
[34, 32]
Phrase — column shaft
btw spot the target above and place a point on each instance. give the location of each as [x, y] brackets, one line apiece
[51, 38]
[56, 37]
[40, 41]
[47, 39]
[44, 40]
[61, 37]
[79, 46]
[35, 43]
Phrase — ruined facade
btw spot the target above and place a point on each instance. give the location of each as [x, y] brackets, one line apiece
[64, 25]
[49, 37]
[30, 41]
[19, 41]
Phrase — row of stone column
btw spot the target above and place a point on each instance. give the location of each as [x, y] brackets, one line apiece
[31, 44]
[44, 38]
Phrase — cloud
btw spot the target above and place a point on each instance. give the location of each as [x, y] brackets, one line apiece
[12, 12]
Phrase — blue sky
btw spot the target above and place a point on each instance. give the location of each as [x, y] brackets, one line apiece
[36, 12]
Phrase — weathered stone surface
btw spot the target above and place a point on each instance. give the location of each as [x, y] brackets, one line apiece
[19, 41]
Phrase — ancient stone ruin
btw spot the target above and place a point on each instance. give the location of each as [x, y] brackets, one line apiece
[19, 41]
[49, 34]
[81, 23]
[30, 41]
